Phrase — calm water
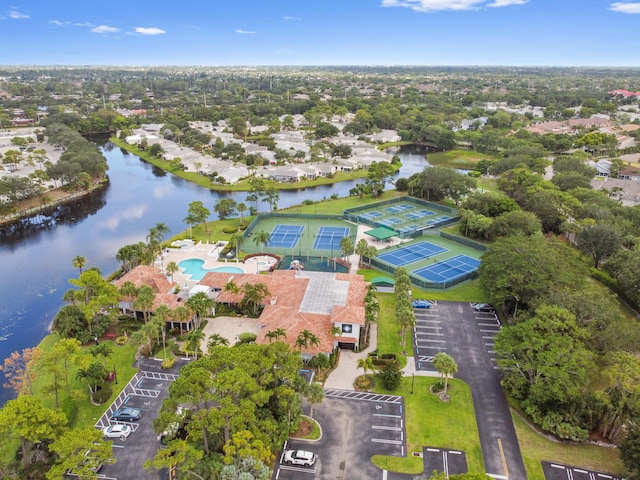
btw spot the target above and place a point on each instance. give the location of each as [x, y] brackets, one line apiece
[36, 261]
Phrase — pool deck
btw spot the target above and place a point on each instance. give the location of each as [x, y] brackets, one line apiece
[208, 252]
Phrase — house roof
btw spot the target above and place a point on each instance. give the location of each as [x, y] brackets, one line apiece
[146, 275]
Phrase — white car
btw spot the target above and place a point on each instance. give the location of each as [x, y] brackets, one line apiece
[301, 458]
[117, 431]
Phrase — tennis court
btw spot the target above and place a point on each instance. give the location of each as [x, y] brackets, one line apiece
[285, 236]
[411, 254]
[449, 269]
[329, 237]
[407, 216]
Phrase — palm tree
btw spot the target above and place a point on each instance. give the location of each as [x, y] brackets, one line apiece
[314, 393]
[216, 340]
[79, 262]
[172, 267]
[104, 350]
[241, 209]
[406, 319]
[366, 364]
[276, 334]
[194, 338]
[307, 339]
[181, 314]
[262, 238]
[130, 291]
[446, 366]
[144, 301]
[236, 241]
[94, 374]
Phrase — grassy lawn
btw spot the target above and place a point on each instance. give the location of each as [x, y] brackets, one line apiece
[122, 358]
[458, 158]
[536, 448]
[388, 329]
[431, 422]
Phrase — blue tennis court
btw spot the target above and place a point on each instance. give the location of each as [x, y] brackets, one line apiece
[285, 236]
[328, 238]
[412, 253]
[449, 269]
[413, 215]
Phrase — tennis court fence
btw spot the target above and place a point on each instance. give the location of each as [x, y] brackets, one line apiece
[421, 282]
[279, 215]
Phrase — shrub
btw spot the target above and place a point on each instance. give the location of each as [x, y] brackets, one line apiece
[390, 375]
[167, 363]
[102, 395]
[230, 229]
[69, 408]
[247, 337]
[364, 383]
[122, 340]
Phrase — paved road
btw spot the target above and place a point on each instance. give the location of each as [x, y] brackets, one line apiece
[468, 337]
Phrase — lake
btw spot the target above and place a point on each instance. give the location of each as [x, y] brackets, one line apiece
[37, 261]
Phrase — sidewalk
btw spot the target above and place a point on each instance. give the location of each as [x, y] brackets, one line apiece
[347, 370]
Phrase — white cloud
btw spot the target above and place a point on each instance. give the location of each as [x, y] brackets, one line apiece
[149, 31]
[245, 32]
[105, 29]
[17, 14]
[59, 23]
[506, 3]
[625, 7]
[85, 24]
[297, 19]
[439, 5]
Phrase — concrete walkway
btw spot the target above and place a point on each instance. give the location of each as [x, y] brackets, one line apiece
[347, 370]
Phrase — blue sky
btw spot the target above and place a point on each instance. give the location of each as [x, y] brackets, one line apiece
[321, 32]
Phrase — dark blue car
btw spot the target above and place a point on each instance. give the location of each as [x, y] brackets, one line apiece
[421, 304]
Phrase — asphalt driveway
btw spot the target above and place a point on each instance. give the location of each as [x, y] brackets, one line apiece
[467, 336]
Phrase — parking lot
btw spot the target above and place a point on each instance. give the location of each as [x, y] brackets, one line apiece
[355, 426]
[145, 391]
[554, 471]
[468, 336]
[443, 460]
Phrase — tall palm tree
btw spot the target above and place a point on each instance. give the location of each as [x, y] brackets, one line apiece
[194, 338]
[181, 314]
[171, 268]
[446, 366]
[242, 207]
[94, 374]
[262, 238]
[406, 319]
[144, 301]
[314, 393]
[79, 262]
[236, 241]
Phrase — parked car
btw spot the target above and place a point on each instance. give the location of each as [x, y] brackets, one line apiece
[118, 430]
[483, 307]
[126, 414]
[420, 304]
[301, 458]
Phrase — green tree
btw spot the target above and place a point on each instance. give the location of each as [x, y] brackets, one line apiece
[366, 364]
[544, 358]
[225, 207]
[178, 455]
[446, 366]
[144, 301]
[79, 262]
[201, 304]
[29, 421]
[95, 294]
[262, 238]
[600, 241]
[172, 268]
[197, 214]
[216, 340]
[242, 207]
[306, 338]
[346, 246]
[390, 375]
[95, 375]
[314, 393]
[276, 334]
[630, 452]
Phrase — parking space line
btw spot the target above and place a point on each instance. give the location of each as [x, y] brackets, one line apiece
[392, 442]
[386, 415]
[297, 469]
[382, 427]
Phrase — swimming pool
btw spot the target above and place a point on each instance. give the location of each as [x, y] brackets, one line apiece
[193, 267]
